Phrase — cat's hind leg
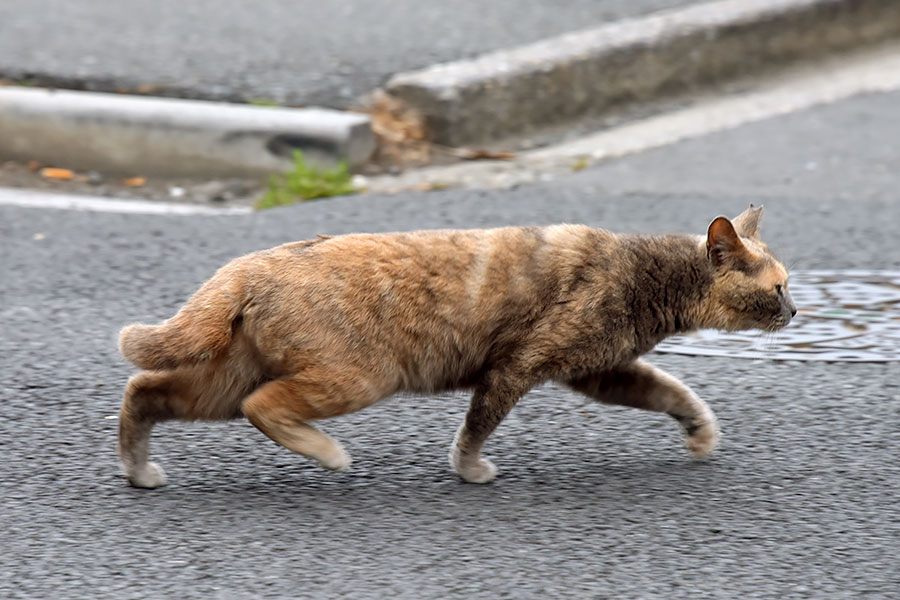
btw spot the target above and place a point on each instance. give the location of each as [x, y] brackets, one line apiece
[146, 402]
[208, 392]
[282, 408]
[641, 385]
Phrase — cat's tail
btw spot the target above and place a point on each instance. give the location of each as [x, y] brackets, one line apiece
[200, 331]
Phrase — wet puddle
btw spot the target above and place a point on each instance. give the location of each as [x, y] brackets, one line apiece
[842, 316]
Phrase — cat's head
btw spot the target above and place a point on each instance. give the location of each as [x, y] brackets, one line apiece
[750, 285]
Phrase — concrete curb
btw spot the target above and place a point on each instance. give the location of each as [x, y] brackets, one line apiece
[800, 87]
[162, 136]
[588, 72]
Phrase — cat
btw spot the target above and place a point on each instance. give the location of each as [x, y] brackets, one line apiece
[324, 327]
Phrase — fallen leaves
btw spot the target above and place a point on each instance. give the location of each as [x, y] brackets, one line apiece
[402, 135]
[480, 154]
[395, 120]
[147, 88]
[61, 174]
[431, 186]
[57, 173]
[400, 131]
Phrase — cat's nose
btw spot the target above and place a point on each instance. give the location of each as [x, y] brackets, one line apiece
[793, 311]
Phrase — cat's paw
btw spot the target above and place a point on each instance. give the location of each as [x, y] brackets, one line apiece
[149, 475]
[478, 470]
[338, 460]
[473, 469]
[702, 437]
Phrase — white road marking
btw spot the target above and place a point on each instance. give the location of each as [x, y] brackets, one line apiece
[54, 200]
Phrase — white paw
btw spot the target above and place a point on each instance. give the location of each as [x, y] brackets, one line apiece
[478, 470]
[338, 461]
[472, 469]
[704, 439]
[149, 475]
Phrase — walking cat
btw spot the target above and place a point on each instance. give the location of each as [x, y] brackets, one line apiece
[324, 327]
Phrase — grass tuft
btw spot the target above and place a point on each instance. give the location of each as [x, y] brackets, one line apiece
[306, 183]
[263, 102]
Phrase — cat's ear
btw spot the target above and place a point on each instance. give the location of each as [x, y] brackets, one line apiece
[723, 244]
[747, 223]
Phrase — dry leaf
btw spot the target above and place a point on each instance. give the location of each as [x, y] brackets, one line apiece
[395, 120]
[481, 153]
[54, 173]
[135, 181]
[147, 88]
[400, 131]
[431, 186]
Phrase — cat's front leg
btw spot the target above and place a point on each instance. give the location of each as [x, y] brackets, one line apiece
[641, 385]
[491, 402]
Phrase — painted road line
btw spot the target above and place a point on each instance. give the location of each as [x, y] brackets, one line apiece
[53, 200]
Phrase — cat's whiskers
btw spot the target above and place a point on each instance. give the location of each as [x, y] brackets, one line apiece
[765, 341]
[770, 341]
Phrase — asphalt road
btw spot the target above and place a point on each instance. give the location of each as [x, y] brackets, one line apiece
[592, 501]
[301, 52]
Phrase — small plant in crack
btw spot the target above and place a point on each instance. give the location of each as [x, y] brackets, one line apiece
[306, 182]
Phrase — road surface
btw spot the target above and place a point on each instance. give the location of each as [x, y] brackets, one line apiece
[591, 502]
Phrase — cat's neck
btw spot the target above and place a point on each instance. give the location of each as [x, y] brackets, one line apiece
[666, 284]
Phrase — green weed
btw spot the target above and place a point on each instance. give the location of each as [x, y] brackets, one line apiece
[263, 102]
[306, 183]
[581, 163]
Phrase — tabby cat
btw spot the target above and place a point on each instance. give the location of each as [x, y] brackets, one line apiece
[324, 327]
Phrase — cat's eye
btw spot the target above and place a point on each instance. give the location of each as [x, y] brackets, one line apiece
[778, 289]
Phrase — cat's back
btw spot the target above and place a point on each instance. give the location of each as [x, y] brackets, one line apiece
[461, 262]
[436, 303]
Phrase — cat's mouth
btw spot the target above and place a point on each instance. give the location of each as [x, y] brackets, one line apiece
[779, 322]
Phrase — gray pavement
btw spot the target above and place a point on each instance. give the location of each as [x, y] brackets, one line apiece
[592, 502]
[305, 52]
[845, 150]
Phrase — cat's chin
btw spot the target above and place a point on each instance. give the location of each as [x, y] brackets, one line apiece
[776, 325]
[768, 327]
